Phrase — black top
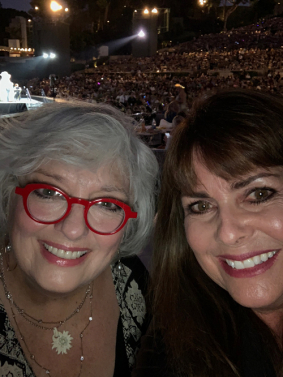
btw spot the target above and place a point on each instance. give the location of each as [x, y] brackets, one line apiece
[130, 285]
[254, 360]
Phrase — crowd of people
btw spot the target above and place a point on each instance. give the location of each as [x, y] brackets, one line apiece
[247, 57]
[79, 198]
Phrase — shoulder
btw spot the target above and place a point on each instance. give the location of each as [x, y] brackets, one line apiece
[138, 270]
[130, 283]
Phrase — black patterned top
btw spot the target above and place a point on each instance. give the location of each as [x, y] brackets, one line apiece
[130, 285]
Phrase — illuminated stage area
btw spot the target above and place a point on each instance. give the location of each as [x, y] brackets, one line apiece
[16, 107]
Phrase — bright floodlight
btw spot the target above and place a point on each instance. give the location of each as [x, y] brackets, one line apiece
[202, 2]
[146, 11]
[45, 55]
[141, 34]
[36, 8]
[55, 7]
[66, 9]
[154, 10]
[52, 55]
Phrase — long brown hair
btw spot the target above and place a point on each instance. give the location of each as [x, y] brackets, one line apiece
[233, 132]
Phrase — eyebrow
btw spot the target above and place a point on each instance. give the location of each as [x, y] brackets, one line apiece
[55, 176]
[194, 194]
[113, 189]
[246, 182]
[234, 186]
[59, 178]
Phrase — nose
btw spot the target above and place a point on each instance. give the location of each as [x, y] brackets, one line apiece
[74, 226]
[235, 226]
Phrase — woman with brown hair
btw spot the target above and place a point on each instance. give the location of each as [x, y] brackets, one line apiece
[217, 286]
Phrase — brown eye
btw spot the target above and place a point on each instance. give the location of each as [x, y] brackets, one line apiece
[260, 195]
[199, 207]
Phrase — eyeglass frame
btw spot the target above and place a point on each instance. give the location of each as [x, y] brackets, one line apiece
[25, 191]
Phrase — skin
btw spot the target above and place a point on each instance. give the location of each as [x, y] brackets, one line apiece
[33, 271]
[233, 219]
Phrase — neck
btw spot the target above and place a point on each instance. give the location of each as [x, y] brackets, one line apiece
[45, 305]
[274, 320]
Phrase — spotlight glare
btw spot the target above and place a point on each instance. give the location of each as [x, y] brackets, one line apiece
[154, 10]
[45, 55]
[55, 7]
[141, 34]
[52, 55]
[146, 11]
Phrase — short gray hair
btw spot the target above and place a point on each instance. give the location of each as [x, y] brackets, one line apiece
[84, 135]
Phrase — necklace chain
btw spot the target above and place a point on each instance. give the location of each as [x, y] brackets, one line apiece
[29, 318]
[34, 321]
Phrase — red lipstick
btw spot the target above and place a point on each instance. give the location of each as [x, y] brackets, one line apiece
[247, 272]
[54, 259]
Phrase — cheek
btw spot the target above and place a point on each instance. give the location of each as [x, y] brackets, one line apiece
[197, 239]
[19, 223]
[111, 243]
[201, 243]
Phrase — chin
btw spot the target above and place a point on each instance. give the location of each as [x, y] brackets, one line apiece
[257, 303]
[55, 286]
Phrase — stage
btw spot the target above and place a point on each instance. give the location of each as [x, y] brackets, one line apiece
[8, 109]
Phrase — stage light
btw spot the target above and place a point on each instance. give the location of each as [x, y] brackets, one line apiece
[45, 55]
[202, 2]
[154, 10]
[36, 8]
[55, 7]
[66, 9]
[146, 11]
[141, 34]
[52, 55]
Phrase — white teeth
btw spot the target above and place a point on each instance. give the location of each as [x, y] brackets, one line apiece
[264, 257]
[257, 260]
[270, 254]
[239, 265]
[64, 254]
[250, 262]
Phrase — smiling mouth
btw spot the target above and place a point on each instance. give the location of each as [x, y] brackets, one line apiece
[250, 262]
[64, 254]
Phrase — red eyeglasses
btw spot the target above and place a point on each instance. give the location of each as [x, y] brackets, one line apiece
[47, 204]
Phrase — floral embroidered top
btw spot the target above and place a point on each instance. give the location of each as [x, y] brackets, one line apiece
[130, 285]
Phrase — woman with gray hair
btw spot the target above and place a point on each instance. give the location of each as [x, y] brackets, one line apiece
[77, 202]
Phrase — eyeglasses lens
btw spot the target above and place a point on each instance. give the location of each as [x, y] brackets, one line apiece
[47, 206]
[105, 217]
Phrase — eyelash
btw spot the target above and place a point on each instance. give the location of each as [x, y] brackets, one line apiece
[190, 211]
[272, 192]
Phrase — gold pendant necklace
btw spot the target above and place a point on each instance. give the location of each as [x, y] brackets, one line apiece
[61, 340]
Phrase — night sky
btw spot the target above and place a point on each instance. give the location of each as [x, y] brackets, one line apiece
[16, 4]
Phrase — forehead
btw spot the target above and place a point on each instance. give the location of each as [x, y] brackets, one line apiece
[206, 178]
[104, 176]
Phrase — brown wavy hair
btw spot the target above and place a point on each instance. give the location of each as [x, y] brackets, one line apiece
[232, 132]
